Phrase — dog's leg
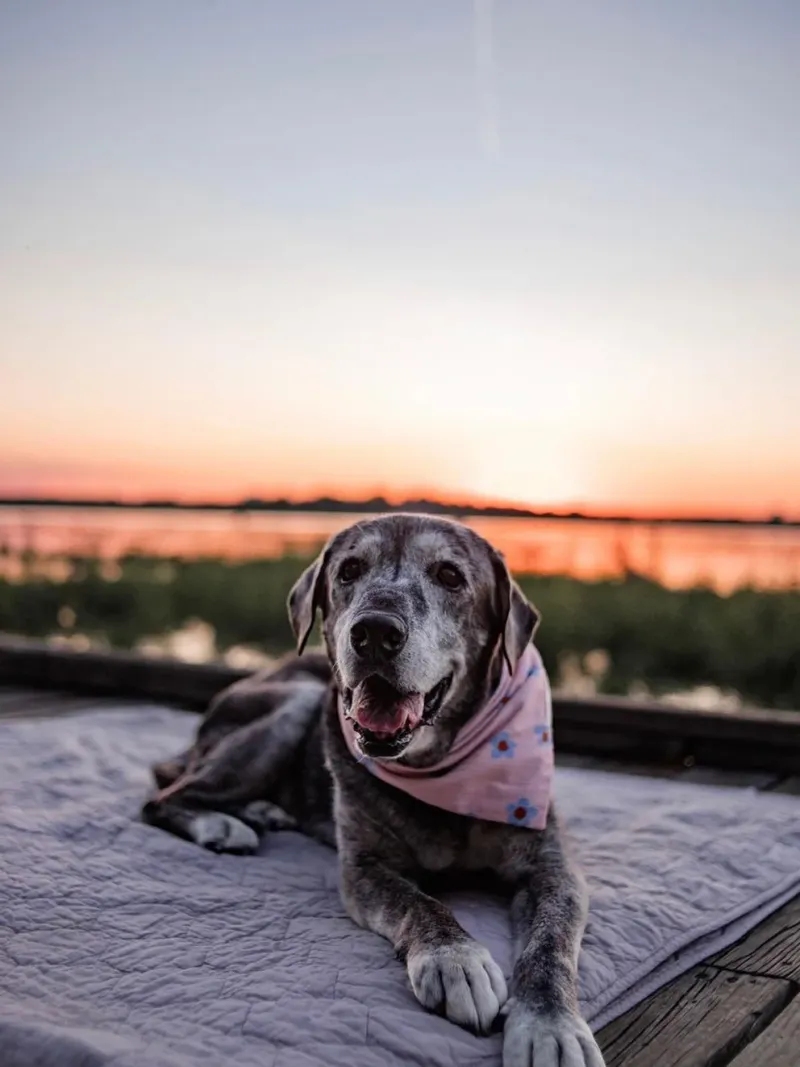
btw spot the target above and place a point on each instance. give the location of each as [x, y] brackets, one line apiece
[168, 771]
[264, 816]
[222, 801]
[549, 909]
[237, 831]
[215, 830]
[449, 971]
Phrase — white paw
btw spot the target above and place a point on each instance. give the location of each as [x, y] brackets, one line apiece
[460, 980]
[562, 1040]
[222, 833]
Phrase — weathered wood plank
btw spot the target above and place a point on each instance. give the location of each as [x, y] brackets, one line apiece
[700, 1020]
[9, 691]
[690, 722]
[113, 673]
[603, 763]
[601, 737]
[788, 785]
[778, 1045]
[752, 740]
[772, 949]
[14, 696]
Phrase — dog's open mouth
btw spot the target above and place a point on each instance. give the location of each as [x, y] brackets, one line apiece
[384, 719]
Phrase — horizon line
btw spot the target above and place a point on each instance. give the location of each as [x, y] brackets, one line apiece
[378, 504]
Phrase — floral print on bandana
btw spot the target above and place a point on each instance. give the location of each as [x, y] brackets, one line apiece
[521, 812]
[503, 746]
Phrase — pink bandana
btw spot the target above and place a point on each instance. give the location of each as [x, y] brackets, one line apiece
[500, 767]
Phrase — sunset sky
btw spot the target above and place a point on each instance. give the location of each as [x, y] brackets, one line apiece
[532, 250]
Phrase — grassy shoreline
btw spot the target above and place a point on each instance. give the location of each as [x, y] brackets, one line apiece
[628, 635]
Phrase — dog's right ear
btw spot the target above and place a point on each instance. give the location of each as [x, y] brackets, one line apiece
[517, 617]
[306, 596]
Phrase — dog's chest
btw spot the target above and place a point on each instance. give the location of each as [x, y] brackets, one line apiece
[457, 845]
[435, 853]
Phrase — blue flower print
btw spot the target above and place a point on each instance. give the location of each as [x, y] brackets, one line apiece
[544, 734]
[503, 746]
[521, 812]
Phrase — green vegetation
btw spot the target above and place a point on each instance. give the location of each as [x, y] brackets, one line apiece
[666, 639]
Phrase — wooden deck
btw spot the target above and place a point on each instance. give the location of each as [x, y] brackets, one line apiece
[738, 1008]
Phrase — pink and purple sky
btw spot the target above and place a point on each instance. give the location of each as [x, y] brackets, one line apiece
[538, 252]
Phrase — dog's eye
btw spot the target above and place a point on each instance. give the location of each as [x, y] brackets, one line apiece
[449, 576]
[350, 570]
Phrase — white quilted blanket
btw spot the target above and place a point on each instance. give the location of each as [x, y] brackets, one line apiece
[122, 945]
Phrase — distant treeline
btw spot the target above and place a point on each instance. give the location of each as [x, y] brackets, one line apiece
[666, 639]
[378, 505]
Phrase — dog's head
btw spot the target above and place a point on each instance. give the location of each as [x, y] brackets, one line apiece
[419, 615]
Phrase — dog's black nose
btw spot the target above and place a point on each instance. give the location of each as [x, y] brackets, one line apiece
[378, 636]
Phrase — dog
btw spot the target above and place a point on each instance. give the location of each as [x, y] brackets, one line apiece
[368, 748]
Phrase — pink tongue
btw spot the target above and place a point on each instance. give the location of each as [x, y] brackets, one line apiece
[381, 709]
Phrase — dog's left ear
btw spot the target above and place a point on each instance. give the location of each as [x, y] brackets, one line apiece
[305, 597]
[517, 618]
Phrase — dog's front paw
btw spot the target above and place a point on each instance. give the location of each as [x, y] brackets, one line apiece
[559, 1040]
[222, 833]
[459, 980]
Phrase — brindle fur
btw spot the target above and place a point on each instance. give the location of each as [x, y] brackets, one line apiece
[257, 764]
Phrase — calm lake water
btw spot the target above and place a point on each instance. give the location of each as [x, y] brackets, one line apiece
[723, 556]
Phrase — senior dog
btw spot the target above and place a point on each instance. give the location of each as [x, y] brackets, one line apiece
[420, 746]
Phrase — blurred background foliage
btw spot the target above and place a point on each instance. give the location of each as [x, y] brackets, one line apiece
[625, 636]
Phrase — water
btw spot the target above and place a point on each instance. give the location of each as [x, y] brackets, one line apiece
[725, 557]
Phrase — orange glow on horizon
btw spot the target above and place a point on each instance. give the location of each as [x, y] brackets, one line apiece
[539, 469]
[196, 490]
